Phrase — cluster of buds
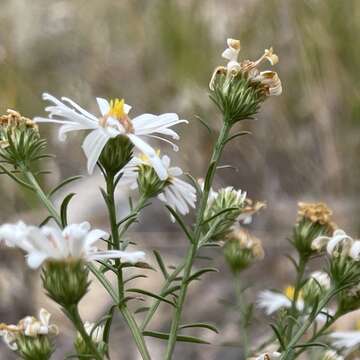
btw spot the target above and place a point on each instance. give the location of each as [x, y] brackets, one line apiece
[19, 139]
[239, 88]
[241, 250]
[314, 219]
[31, 337]
[96, 333]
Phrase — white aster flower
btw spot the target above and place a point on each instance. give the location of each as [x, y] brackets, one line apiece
[272, 301]
[338, 243]
[113, 121]
[96, 334]
[34, 327]
[76, 241]
[345, 339]
[177, 193]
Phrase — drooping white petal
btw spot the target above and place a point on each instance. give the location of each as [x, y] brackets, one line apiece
[271, 301]
[151, 153]
[132, 257]
[93, 146]
[345, 339]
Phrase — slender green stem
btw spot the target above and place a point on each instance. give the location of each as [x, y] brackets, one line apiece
[130, 320]
[192, 251]
[73, 314]
[243, 313]
[151, 312]
[41, 195]
[298, 285]
[287, 354]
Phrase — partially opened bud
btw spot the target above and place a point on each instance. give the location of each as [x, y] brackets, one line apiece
[241, 250]
[96, 334]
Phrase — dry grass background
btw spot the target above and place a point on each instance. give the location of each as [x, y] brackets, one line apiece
[159, 54]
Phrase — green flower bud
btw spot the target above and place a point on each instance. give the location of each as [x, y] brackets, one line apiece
[241, 250]
[20, 142]
[149, 182]
[116, 154]
[314, 220]
[228, 205]
[30, 348]
[96, 334]
[66, 282]
[316, 286]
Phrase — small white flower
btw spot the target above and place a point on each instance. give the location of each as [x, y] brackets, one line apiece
[9, 337]
[345, 339]
[272, 301]
[178, 194]
[76, 241]
[339, 241]
[322, 278]
[34, 327]
[332, 355]
[96, 334]
[112, 122]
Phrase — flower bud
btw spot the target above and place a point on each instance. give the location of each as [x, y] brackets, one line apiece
[30, 348]
[316, 286]
[241, 250]
[116, 154]
[149, 182]
[96, 334]
[66, 282]
[20, 142]
[314, 220]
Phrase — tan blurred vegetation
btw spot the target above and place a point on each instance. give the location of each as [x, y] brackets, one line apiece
[158, 55]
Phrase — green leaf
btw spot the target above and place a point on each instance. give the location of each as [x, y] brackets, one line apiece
[108, 323]
[148, 293]
[197, 274]
[46, 220]
[209, 175]
[180, 222]
[64, 207]
[134, 277]
[278, 336]
[313, 344]
[15, 178]
[182, 338]
[63, 183]
[141, 309]
[200, 325]
[202, 122]
[171, 290]
[161, 264]
[238, 134]
[224, 211]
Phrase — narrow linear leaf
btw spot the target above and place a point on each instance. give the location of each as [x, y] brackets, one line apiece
[238, 134]
[63, 183]
[108, 323]
[200, 325]
[134, 277]
[182, 338]
[180, 222]
[313, 344]
[218, 214]
[15, 178]
[197, 274]
[161, 264]
[141, 309]
[278, 336]
[203, 122]
[45, 221]
[148, 293]
[64, 207]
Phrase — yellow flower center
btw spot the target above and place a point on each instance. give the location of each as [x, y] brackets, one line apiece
[117, 109]
[289, 292]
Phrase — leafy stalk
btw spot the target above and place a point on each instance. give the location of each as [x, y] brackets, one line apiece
[192, 251]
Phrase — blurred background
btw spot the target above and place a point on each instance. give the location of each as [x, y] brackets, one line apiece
[159, 56]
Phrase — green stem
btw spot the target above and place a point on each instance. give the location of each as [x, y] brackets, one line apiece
[41, 195]
[130, 320]
[243, 313]
[192, 251]
[288, 353]
[73, 314]
[151, 312]
[298, 285]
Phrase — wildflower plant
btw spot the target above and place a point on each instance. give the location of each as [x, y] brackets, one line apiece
[118, 146]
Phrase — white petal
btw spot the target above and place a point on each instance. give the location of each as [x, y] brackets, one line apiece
[271, 301]
[35, 259]
[95, 235]
[104, 105]
[93, 146]
[151, 153]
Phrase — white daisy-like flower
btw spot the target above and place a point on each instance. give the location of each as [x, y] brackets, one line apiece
[178, 194]
[339, 241]
[33, 327]
[345, 339]
[272, 301]
[96, 334]
[112, 121]
[76, 241]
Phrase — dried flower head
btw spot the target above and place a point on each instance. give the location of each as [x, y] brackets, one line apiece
[241, 249]
[316, 213]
